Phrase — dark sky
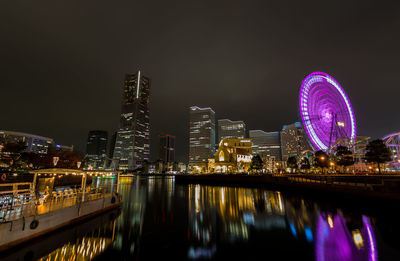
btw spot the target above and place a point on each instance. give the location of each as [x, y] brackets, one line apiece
[62, 63]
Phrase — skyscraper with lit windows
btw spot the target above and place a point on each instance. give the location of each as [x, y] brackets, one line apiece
[132, 145]
[201, 137]
[293, 140]
[228, 129]
[96, 149]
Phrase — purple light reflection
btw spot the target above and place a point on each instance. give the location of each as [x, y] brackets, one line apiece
[336, 242]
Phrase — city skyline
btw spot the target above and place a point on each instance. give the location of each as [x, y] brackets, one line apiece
[246, 64]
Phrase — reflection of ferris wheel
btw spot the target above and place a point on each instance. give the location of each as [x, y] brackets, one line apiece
[326, 111]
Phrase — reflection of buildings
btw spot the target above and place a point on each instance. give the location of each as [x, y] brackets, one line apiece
[226, 215]
[233, 155]
[201, 137]
[83, 241]
[86, 248]
[96, 149]
[132, 145]
[237, 209]
[231, 129]
[293, 140]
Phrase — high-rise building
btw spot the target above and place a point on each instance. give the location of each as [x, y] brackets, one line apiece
[266, 144]
[294, 140]
[132, 145]
[166, 152]
[231, 129]
[96, 149]
[201, 137]
[33, 143]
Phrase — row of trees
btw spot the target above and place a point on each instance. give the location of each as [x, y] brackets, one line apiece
[14, 157]
[342, 157]
[376, 152]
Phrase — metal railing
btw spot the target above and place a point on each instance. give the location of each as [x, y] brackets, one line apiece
[15, 206]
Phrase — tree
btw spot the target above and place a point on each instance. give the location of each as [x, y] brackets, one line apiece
[344, 156]
[292, 162]
[256, 163]
[305, 163]
[321, 159]
[377, 152]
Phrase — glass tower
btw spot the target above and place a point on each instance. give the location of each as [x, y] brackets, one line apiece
[132, 145]
[96, 149]
[201, 136]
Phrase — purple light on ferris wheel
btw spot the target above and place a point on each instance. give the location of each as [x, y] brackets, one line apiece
[326, 111]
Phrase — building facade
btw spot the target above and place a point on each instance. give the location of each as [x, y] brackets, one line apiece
[268, 146]
[166, 149]
[232, 156]
[231, 129]
[294, 141]
[33, 143]
[201, 137]
[132, 145]
[96, 149]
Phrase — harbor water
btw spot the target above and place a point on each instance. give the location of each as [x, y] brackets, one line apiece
[161, 219]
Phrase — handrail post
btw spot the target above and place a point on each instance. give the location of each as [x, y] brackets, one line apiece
[83, 186]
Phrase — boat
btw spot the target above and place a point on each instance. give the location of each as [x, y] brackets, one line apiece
[29, 210]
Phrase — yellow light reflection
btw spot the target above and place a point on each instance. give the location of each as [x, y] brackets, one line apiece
[330, 221]
[357, 238]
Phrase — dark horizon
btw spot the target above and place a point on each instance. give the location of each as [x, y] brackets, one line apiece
[63, 63]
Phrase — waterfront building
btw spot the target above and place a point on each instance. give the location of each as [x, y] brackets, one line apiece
[268, 146]
[166, 150]
[132, 145]
[96, 149]
[231, 129]
[232, 156]
[201, 137]
[294, 141]
[33, 143]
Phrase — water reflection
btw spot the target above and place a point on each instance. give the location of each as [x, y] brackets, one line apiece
[244, 211]
[161, 219]
[335, 241]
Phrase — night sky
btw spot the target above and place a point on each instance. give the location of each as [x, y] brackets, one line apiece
[62, 63]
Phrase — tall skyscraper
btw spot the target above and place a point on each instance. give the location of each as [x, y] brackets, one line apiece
[266, 144]
[231, 129]
[293, 140]
[132, 144]
[96, 149]
[166, 151]
[201, 137]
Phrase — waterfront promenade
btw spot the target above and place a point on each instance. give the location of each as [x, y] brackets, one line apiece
[369, 186]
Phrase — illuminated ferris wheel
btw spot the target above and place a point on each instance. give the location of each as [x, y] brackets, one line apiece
[326, 111]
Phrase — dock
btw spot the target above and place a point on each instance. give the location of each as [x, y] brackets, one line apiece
[26, 213]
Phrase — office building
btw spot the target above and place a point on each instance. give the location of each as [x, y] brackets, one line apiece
[201, 137]
[132, 145]
[96, 149]
[166, 151]
[294, 141]
[231, 129]
[266, 144]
